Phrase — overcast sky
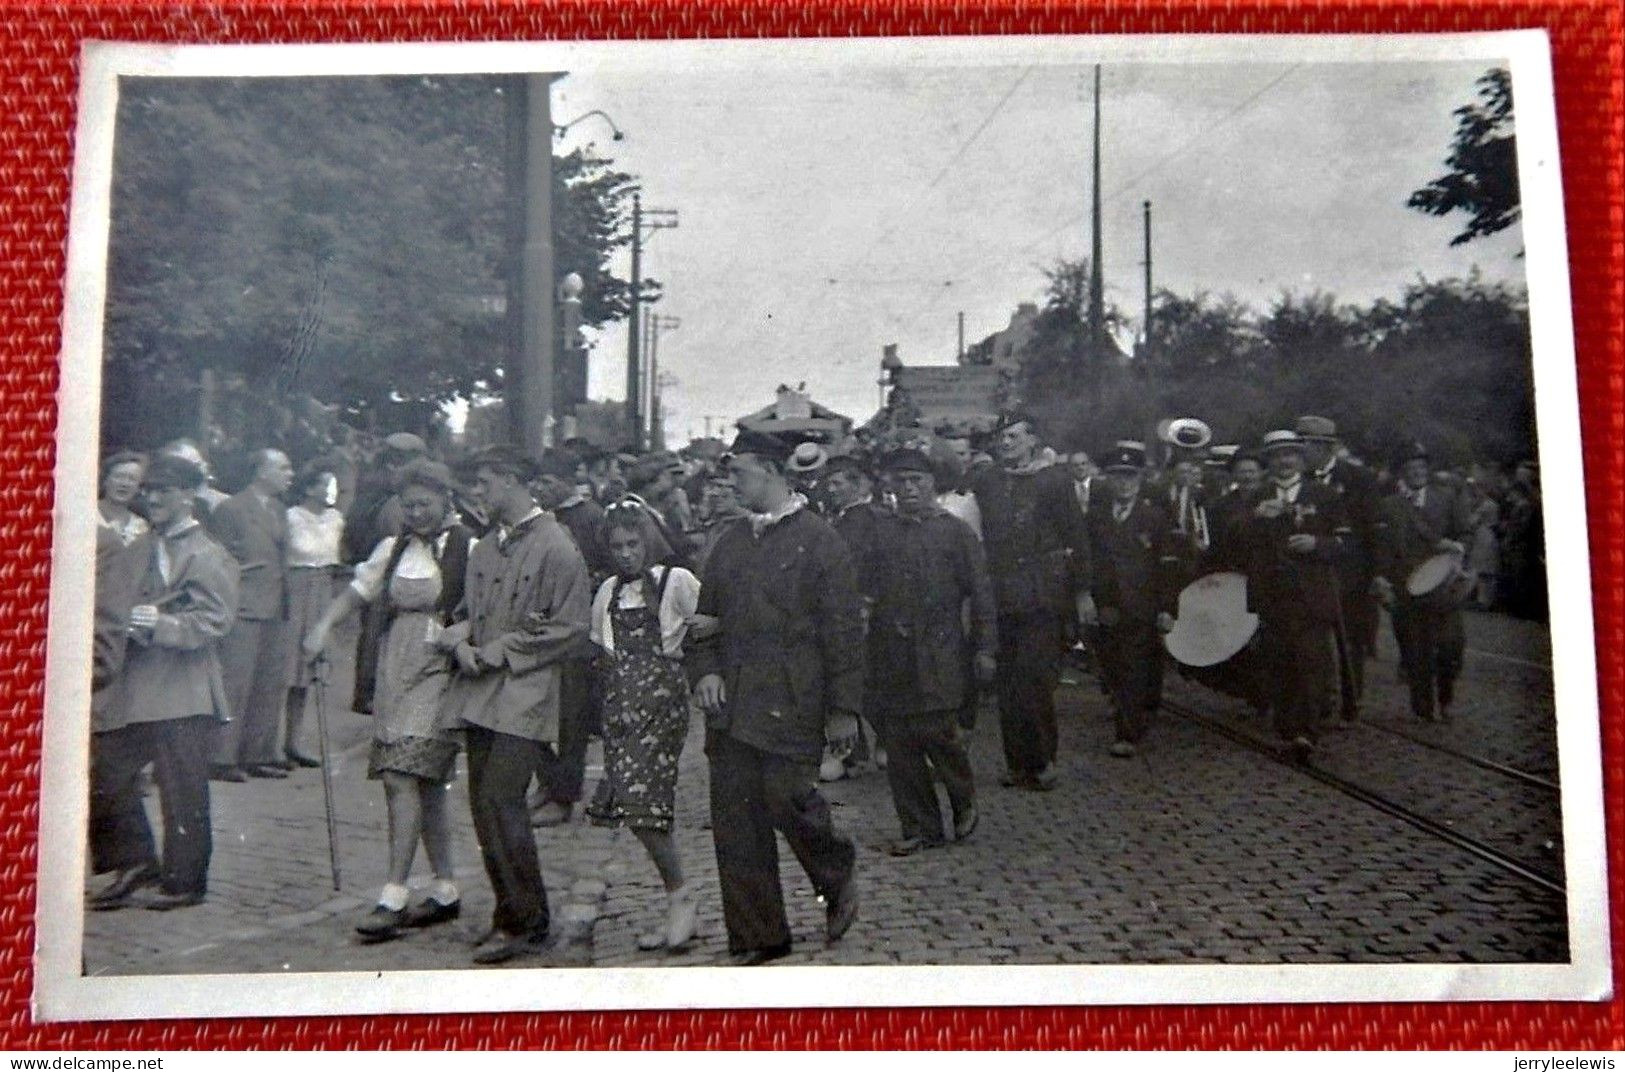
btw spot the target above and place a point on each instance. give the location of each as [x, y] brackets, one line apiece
[827, 213]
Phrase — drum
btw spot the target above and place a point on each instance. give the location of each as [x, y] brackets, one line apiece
[1441, 582]
[1213, 623]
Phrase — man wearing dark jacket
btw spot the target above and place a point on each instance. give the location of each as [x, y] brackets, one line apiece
[1418, 521]
[782, 677]
[931, 570]
[1135, 552]
[1038, 557]
[1291, 549]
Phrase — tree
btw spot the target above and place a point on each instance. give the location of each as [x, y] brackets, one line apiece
[1483, 176]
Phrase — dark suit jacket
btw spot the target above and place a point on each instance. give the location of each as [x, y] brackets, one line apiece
[1361, 503]
[1137, 562]
[790, 646]
[256, 535]
[1034, 536]
[1282, 583]
[860, 527]
[1408, 536]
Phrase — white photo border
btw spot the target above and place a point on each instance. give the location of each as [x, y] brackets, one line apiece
[62, 993]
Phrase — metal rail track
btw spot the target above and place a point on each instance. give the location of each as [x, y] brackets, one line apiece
[1386, 805]
[1478, 761]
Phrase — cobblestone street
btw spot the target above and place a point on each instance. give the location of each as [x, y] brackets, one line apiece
[1198, 851]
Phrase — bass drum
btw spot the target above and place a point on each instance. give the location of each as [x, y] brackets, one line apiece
[1213, 622]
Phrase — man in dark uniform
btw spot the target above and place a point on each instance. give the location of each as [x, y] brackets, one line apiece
[1291, 550]
[781, 677]
[931, 569]
[1418, 521]
[1135, 555]
[560, 780]
[1038, 556]
[847, 489]
[1357, 487]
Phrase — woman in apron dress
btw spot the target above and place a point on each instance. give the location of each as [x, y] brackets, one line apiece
[419, 575]
[640, 618]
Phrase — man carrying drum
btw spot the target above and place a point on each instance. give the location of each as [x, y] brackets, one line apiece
[1421, 536]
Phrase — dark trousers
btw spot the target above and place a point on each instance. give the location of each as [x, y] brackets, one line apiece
[1300, 672]
[918, 744]
[1432, 647]
[753, 794]
[1131, 669]
[253, 665]
[560, 771]
[1029, 669]
[120, 836]
[500, 766]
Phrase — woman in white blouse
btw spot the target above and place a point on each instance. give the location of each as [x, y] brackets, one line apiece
[420, 577]
[640, 617]
[315, 528]
[118, 524]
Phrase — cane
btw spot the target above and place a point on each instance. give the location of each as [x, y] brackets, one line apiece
[319, 695]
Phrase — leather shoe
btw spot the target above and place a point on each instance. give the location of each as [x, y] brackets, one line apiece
[843, 908]
[299, 759]
[751, 958]
[264, 770]
[428, 913]
[910, 845]
[501, 948]
[116, 894]
[551, 813]
[381, 924]
[168, 902]
[965, 824]
[225, 772]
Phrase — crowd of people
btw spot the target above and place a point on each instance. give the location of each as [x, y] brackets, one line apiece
[826, 608]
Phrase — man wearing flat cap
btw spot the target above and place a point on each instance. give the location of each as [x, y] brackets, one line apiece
[1038, 556]
[931, 571]
[1137, 557]
[781, 678]
[847, 490]
[1357, 488]
[1291, 547]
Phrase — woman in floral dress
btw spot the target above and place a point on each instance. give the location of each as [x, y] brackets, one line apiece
[420, 574]
[640, 618]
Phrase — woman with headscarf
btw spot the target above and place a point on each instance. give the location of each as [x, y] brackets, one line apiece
[640, 618]
[419, 577]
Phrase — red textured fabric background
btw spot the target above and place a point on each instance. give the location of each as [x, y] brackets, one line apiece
[39, 51]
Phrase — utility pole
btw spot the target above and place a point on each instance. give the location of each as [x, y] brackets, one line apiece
[655, 219]
[1097, 287]
[528, 368]
[962, 337]
[1145, 352]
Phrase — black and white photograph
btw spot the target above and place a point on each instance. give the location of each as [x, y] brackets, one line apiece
[1051, 520]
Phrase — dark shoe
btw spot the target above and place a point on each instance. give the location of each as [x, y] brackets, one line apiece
[843, 907]
[965, 824]
[751, 958]
[225, 772]
[280, 764]
[428, 913]
[501, 948]
[1010, 779]
[551, 813]
[907, 846]
[168, 902]
[1301, 749]
[381, 924]
[265, 770]
[117, 894]
[299, 759]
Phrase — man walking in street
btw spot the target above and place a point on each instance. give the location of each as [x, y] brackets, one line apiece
[931, 570]
[1135, 552]
[847, 489]
[252, 525]
[1418, 521]
[1291, 551]
[782, 677]
[166, 701]
[525, 614]
[1038, 557]
[1356, 487]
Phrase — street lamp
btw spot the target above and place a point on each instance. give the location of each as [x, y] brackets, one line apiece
[559, 129]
